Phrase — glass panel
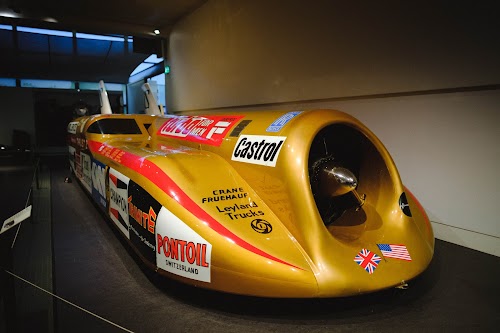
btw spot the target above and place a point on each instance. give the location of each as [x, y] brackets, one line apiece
[5, 82]
[61, 45]
[47, 84]
[92, 47]
[89, 85]
[33, 42]
[143, 66]
[46, 31]
[114, 126]
[153, 59]
[114, 86]
[99, 37]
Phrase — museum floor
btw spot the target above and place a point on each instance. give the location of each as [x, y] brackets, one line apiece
[72, 273]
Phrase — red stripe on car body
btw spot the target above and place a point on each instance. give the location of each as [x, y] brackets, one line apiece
[167, 185]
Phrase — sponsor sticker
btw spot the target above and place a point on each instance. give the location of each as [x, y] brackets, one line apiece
[367, 260]
[86, 176]
[258, 149]
[240, 211]
[279, 123]
[240, 127]
[99, 183]
[118, 200]
[113, 153]
[71, 153]
[180, 250]
[227, 203]
[81, 142]
[210, 130]
[225, 194]
[72, 126]
[78, 165]
[143, 212]
[261, 226]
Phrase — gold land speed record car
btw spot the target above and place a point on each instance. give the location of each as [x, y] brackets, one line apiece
[273, 204]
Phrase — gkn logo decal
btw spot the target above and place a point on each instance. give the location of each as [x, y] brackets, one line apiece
[258, 149]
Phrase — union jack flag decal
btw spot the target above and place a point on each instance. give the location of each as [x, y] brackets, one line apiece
[368, 260]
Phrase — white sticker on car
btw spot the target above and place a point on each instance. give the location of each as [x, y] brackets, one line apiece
[118, 200]
[180, 250]
[258, 149]
[72, 126]
[86, 179]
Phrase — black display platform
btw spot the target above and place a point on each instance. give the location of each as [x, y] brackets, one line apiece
[15, 184]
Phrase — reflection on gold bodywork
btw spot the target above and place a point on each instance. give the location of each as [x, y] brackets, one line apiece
[352, 224]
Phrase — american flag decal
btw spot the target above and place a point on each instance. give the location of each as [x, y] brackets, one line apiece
[394, 251]
[368, 260]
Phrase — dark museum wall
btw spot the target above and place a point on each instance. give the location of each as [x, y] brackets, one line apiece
[17, 113]
[252, 52]
[424, 77]
[45, 113]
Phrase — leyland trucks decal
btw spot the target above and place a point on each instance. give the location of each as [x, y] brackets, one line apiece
[180, 250]
[118, 204]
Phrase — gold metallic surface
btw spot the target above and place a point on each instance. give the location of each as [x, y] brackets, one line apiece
[311, 258]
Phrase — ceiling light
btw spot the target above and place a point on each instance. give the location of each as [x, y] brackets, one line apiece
[156, 31]
[10, 14]
[50, 19]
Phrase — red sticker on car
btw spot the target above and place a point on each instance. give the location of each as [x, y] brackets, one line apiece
[210, 130]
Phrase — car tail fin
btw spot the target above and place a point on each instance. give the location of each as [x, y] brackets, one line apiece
[103, 97]
[152, 107]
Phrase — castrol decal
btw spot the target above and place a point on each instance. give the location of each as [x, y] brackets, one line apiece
[180, 250]
[258, 149]
[210, 130]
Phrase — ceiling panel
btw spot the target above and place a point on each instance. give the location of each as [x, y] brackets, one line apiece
[29, 55]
